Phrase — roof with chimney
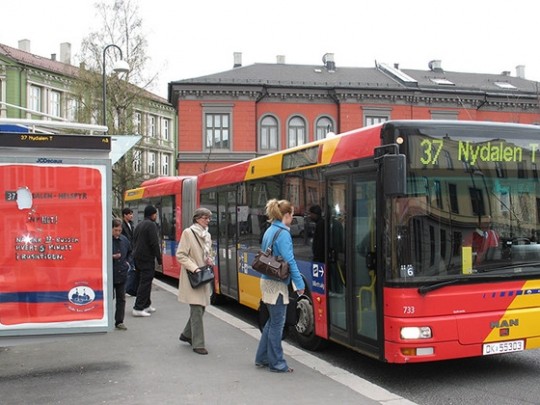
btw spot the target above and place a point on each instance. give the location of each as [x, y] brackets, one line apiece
[63, 68]
[36, 61]
[382, 76]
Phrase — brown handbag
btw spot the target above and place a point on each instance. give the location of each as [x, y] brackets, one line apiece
[270, 265]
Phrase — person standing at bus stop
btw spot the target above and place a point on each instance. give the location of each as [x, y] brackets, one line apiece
[275, 293]
[127, 223]
[121, 249]
[146, 251]
[195, 250]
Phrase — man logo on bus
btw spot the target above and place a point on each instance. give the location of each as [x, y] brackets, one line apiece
[504, 323]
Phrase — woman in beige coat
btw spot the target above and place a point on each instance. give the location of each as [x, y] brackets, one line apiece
[194, 251]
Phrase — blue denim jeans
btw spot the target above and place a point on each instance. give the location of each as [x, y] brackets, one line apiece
[270, 351]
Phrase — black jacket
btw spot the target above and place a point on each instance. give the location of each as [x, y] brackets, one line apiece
[146, 243]
[127, 231]
[120, 266]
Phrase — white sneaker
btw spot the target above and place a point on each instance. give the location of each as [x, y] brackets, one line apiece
[149, 310]
[140, 313]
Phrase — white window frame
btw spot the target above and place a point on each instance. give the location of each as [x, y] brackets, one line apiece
[296, 131]
[151, 164]
[269, 133]
[35, 98]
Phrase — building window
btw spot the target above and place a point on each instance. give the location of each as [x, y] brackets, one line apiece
[54, 103]
[165, 163]
[35, 98]
[152, 126]
[138, 123]
[217, 129]
[137, 161]
[323, 126]
[269, 134]
[151, 162]
[452, 192]
[443, 115]
[296, 132]
[166, 134]
[375, 115]
[72, 107]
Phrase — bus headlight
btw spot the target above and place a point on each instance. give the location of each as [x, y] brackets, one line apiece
[416, 332]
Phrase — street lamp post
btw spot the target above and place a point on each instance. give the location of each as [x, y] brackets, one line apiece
[120, 66]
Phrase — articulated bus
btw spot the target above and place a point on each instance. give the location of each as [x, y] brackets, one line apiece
[429, 245]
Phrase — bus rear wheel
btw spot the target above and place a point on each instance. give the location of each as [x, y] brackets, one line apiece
[304, 331]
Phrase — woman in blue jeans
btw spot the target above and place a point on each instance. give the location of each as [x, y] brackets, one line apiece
[275, 293]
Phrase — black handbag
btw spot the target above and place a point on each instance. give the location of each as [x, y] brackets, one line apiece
[205, 273]
[201, 277]
[132, 281]
[270, 265]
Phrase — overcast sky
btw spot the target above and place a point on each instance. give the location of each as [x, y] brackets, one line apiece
[194, 38]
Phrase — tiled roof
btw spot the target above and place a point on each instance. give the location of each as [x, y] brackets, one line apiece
[53, 66]
[37, 61]
[317, 76]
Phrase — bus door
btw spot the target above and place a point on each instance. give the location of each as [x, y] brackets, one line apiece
[351, 277]
[226, 222]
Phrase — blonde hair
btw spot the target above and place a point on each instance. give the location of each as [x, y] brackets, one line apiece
[277, 209]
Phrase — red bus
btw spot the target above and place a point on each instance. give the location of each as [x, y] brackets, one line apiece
[428, 246]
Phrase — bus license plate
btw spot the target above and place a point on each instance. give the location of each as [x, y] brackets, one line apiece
[504, 347]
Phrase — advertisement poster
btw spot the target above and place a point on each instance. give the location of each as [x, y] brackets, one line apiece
[53, 272]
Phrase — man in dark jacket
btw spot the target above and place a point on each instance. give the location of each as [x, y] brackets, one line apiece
[121, 249]
[127, 223]
[146, 251]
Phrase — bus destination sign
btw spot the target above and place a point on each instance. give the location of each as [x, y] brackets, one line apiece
[18, 140]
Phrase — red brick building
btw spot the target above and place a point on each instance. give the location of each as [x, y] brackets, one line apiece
[253, 110]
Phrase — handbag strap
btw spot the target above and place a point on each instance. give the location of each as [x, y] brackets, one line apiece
[273, 240]
[199, 242]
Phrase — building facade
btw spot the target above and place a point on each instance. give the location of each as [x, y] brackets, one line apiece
[49, 89]
[253, 110]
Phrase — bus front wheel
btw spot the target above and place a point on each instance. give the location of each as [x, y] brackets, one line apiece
[304, 330]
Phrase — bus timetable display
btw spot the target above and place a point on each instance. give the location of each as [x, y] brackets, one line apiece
[55, 141]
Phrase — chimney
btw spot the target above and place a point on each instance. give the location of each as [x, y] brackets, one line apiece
[65, 53]
[237, 59]
[53, 56]
[506, 73]
[520, 71]
[435, 66]
[329, 63]
[396, 66]
[24, 45]
[280, 59]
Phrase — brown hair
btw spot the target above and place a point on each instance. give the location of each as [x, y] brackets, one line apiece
[116, 222]
[277, 209]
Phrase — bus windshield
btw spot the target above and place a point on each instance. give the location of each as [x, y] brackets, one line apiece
[471, 209]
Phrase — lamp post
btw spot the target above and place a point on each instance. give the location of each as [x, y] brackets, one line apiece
[120, 66]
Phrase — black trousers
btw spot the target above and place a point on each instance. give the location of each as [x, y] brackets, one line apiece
[120, 297]
[145, 275]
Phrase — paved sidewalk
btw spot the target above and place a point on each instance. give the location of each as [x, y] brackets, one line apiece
[147, 364]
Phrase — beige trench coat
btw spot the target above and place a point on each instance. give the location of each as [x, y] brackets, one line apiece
[191, 256]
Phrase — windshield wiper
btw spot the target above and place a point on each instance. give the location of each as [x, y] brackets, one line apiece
[435, 286]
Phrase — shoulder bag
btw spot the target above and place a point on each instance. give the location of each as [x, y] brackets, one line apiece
[205, 273]
[270, 265]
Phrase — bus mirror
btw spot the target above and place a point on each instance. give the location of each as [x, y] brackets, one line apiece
[394, 175]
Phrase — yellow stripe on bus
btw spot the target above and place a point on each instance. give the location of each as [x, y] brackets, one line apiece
[135, 194]
[270, 165]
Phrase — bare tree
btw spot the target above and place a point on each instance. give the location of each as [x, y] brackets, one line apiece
[123, 27]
